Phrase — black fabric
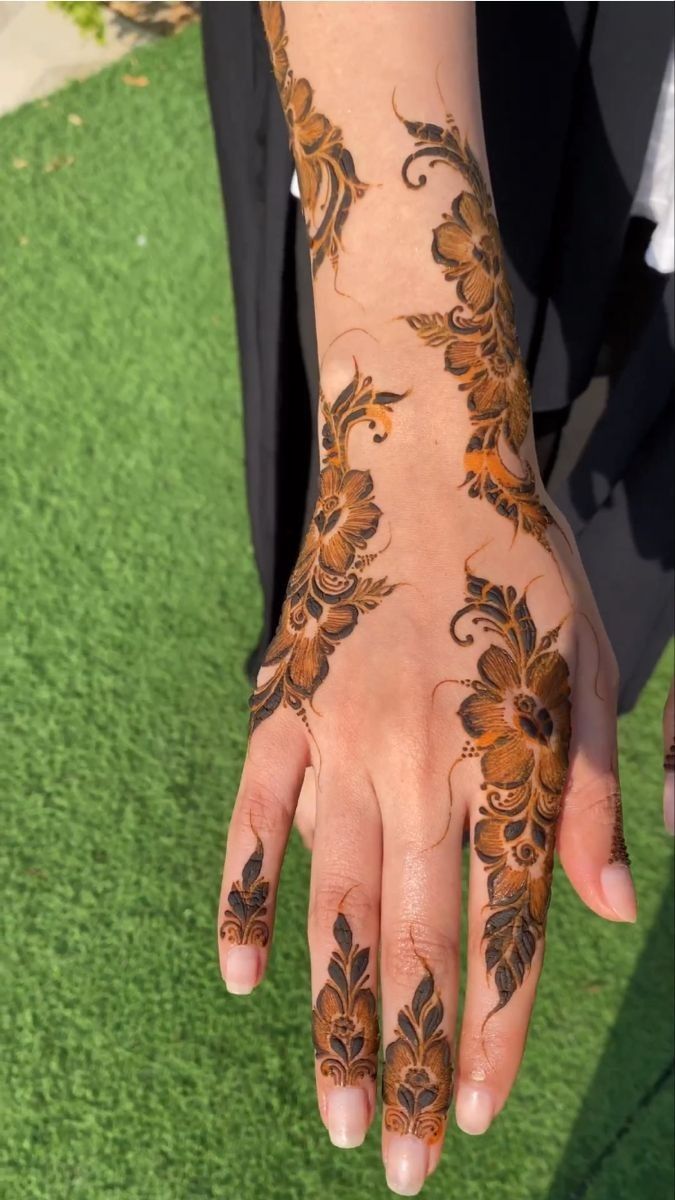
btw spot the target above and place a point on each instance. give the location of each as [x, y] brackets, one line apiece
[569, 93]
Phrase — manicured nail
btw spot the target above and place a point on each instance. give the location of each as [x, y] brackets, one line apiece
[347, 1116]
[474, 1109]
[407, 1164]
[669, 802]
[241, 969]
[617, 886]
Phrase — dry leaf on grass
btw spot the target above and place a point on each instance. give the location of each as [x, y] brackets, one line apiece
[23, 240]
[19, 164]
[61, 160]
[160, 18]
[73, 119]
[135, 80]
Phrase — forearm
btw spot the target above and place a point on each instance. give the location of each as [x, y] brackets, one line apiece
[383, 107]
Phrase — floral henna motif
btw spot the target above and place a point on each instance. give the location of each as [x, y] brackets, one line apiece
[417, 1079]
[619, 851]
[328, 590]
[328, 181]
[518, 721]
[244, 920]
[478, 335]
[344, 1019]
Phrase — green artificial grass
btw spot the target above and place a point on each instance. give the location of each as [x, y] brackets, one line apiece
[130, 600]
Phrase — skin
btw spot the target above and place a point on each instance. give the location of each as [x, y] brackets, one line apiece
[366, 765]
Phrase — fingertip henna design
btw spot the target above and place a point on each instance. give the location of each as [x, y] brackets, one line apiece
[669, 760]
[344, 1020]
[244, 921]
[328, 590]
[329, 185]
[518, 719]
[418, 1071]
[478, 336]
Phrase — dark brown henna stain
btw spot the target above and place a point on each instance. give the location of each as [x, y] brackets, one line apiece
[518, 722]
[669, 760]
[327, 177]
[619, 851]
[418, 1073]
[244, 920]
[328, 590]
[478, 336]
[344, 1019]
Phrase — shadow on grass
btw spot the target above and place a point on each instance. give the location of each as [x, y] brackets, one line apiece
[636, 1066]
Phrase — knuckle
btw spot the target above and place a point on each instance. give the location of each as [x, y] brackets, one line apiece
[598, 799]
[261, 808]
[408, 945]
[329, 896]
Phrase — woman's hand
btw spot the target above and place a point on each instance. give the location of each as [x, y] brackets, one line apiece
[430, 672]
[439, 660]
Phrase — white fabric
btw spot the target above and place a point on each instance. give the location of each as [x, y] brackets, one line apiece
[655, 196]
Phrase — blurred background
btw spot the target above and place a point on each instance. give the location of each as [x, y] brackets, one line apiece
[130, 600]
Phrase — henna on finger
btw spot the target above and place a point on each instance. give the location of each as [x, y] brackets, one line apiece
[345, 1029]
[245, 919]
[518, 719]
[418, 1071]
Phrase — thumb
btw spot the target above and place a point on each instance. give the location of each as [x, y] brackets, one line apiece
[591, 842]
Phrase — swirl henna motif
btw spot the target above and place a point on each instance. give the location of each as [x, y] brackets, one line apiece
[417, 1079]
[344, 1019]
[327, 177]
[328, 590]
[244, 920]
[478, 336]
[518, 722]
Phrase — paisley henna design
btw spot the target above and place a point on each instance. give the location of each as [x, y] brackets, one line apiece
[328, 591]
[328, 181]
[244, 920]
[478, 336]
[417, 1079]
[344, 1020]
[518, 719]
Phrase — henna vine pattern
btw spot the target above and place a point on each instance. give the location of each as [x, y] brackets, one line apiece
[417, 1079]
[344, 1020]
[244, 920]
[518, 720]
[328, 591]
[478, 335]
[328, 181]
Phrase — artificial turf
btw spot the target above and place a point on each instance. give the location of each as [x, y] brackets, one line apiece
[130, 600]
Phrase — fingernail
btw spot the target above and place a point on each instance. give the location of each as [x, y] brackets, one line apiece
[241, 969]
[474, 1109]
[618, 890]
[407, 1164]
[347, 1116]
[669, 802]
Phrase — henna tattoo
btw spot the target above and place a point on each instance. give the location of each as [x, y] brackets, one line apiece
[344, 1019]
[478, 336]
[417, 1078]
[327, 177]
[518, 719]
[669, 760]
[244, 920]
[619, 851]
[328, 591]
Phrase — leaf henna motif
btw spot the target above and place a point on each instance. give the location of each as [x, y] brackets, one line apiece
[244, 920]
[478, 336]
[344, 1019]
[517, 718]
[417, 1079]
[327, 177]
[328, 591]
